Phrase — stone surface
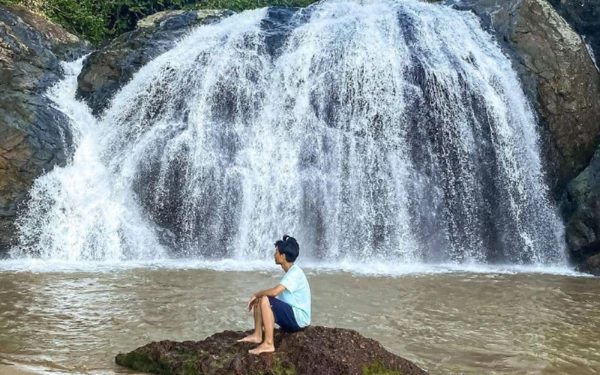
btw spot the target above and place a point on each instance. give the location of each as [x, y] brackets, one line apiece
[63, 44]
[591, 265]
[110, 68]
[312, 351]
[33, 135]
[580, 206]
[584, 17]
[557, 74]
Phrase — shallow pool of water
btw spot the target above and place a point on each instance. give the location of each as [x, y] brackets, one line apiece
[75, 320]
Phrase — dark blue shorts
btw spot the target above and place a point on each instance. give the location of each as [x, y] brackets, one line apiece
[284, 315]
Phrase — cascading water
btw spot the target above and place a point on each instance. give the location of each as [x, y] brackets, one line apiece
[370, 130]
[591, 53]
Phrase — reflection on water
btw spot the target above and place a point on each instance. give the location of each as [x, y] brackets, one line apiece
[450, 323]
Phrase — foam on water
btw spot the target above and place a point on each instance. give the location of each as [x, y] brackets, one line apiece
[383, 269]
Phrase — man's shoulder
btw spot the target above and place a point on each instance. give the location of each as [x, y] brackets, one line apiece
[299, 273]
[297, 269]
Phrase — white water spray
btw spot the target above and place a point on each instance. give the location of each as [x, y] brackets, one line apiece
[370, 130]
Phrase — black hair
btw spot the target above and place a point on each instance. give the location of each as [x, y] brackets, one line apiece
[289, 247]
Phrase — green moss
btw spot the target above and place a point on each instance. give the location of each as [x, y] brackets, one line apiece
[189, 368]
[223, 360]
[143, 362]
[377, 368]
[279, 368]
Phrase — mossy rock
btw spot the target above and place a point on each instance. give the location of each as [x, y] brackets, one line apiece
[314, 351]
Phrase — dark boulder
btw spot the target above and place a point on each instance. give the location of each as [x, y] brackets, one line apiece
[110, 68]
[312, 351]
[591, 265]
[581, 208]
[33, 134]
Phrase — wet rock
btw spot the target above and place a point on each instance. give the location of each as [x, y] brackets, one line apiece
[277, 26]
[591, 265]
[584, 17]
[580, 206]
[312, 351]
[557, 74]
[110, 68]
[64, 45]
[33, 135]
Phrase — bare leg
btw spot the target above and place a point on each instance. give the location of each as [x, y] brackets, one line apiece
[256, 336]
[268, 321]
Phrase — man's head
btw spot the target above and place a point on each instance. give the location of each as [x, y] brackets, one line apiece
[286, 250]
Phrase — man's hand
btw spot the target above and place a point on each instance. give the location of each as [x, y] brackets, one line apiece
[272, 292]
[253, 301]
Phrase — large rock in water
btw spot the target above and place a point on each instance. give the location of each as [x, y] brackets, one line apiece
[312, 351]
[110, 68]
[33, 135]
[557, 74]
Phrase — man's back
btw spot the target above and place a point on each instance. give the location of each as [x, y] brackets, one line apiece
[297, 294]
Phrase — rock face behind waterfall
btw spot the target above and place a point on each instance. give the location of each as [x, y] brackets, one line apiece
[110, 68]
[313, 351]
[374, 127]
[558, 75]
[33, 135]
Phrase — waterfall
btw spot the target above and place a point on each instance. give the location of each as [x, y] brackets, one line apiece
[383, 130]
[590, 51]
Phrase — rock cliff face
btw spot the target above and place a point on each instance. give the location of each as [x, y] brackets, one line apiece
[584, 17]
[33, 135]
[580, 203]
[557, 74]
[581, 208]
[110, 68]
[312, 351]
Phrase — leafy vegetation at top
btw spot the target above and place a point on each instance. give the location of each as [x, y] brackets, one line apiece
[99, 20]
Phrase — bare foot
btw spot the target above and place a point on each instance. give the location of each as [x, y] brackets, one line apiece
[255, 339]
[263, 348]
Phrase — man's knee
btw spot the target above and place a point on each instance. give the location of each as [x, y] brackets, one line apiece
[264, 302]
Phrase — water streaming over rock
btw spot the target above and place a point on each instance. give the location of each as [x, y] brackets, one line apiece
[591, 53]
[370, 130]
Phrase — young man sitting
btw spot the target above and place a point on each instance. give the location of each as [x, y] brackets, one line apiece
[287, 304]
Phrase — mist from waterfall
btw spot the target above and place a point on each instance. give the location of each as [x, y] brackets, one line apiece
[384, 130]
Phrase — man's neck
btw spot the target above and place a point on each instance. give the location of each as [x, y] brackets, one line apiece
[286, 266]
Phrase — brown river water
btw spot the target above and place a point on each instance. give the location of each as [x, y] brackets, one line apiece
[74, 321]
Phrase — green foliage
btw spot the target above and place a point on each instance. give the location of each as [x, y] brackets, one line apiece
[239, 5]
[99, 20]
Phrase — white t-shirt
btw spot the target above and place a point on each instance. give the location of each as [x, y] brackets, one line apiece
[297, 294]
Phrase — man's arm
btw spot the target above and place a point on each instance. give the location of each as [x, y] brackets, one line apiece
[272, 292]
